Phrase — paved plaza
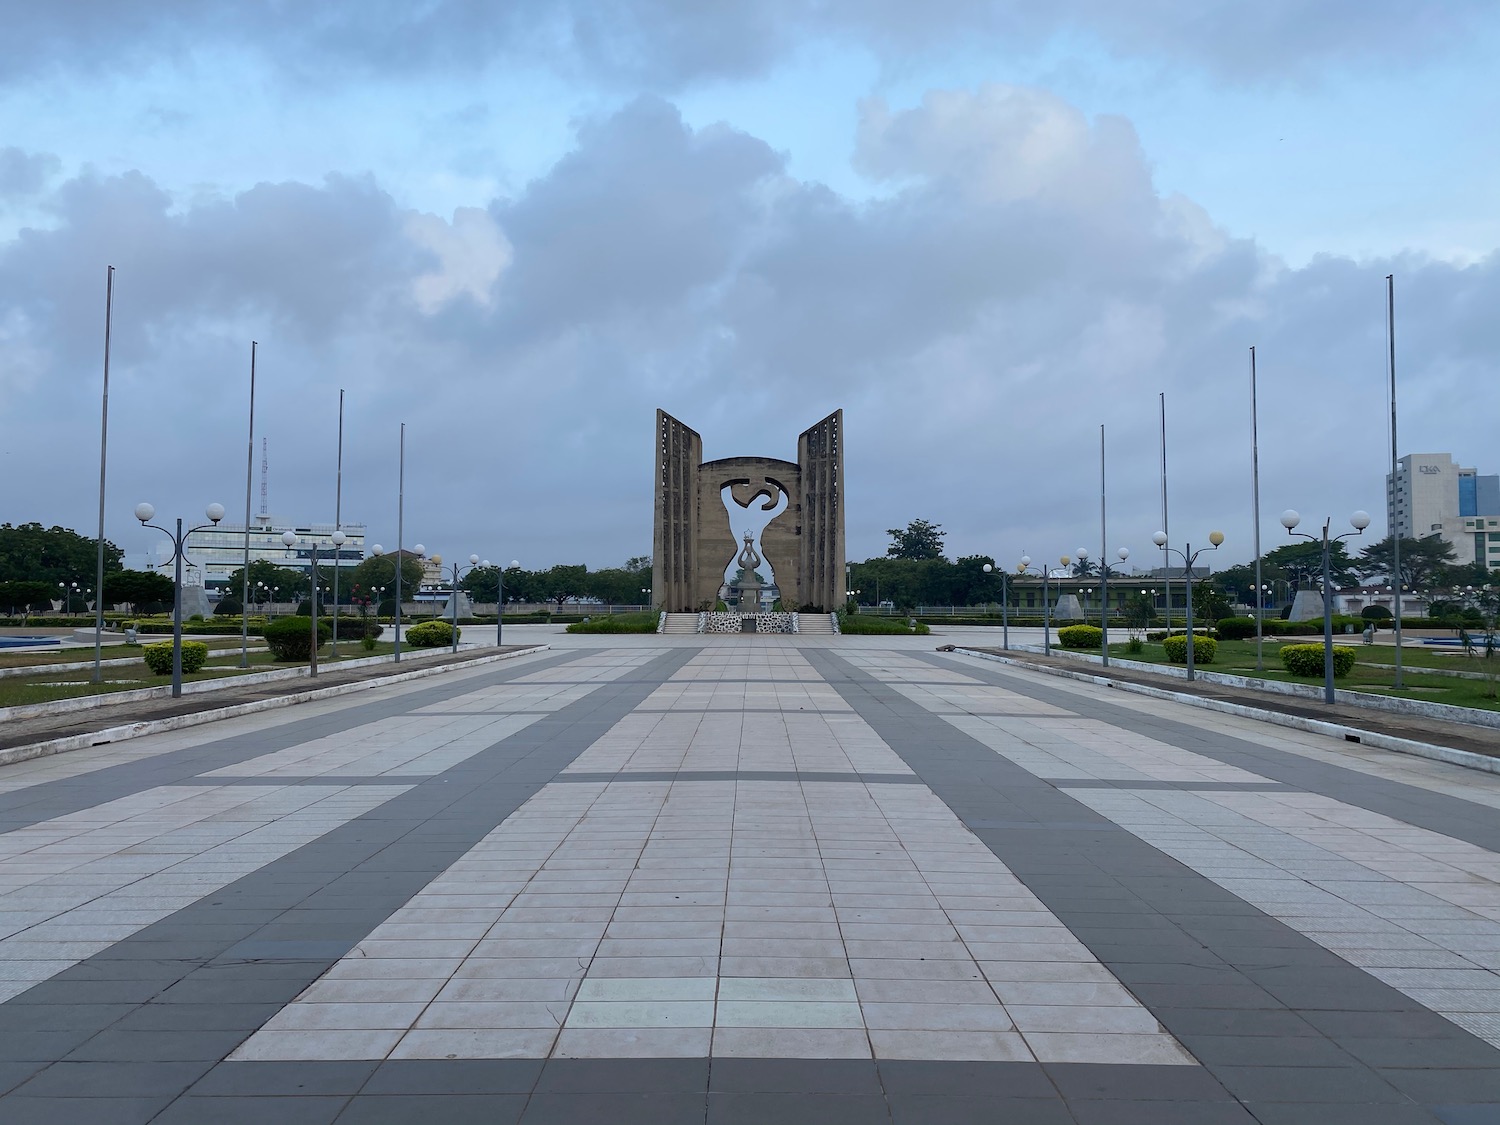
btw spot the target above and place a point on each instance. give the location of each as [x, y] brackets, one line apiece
[747, 880]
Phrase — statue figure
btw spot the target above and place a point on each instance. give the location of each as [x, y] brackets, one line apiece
[749, 584]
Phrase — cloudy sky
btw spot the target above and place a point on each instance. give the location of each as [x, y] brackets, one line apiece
[982, 227]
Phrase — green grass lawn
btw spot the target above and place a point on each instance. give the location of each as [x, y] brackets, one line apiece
[223, 663]
[644, 622]
[861, 624]
[1374, 672]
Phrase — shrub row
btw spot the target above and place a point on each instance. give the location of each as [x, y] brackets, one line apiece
[1307, 660]
[863, 625]
[431, 634]
[290, 638]
[1080, 636]
[1204, 649]
[158, 656]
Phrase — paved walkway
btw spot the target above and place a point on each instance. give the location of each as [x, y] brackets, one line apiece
[748, 879]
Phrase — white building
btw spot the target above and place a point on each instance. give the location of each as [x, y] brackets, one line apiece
[1431, 495]
[214, 554]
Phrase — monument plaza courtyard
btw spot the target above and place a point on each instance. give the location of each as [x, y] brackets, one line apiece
[747, 879]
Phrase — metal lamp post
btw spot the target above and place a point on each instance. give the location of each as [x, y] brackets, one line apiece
[289, 538]
[457, 571]
[339, 539]
[1188, 557]
[1004, 607]
[1359, 521]
[145, 513]
[500, 600]
[1122, 554]
[1024, 567]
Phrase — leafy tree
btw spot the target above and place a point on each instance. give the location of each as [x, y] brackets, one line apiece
[614, 585]
[1082, 568]
[291, 583]
[1422, 560]
[378, 570]
[1210, 603]
[32, 553]
[971, 585]
[22, 597]
[1301, 564]
[142, 590]
[1467, 574]
[1140, 610]
[563, 582]
[917, 540]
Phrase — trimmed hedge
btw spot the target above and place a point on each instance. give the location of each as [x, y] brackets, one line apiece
[864, 625]
[1080, 636]
[290, 638]
[1307, 660]
[1204, 649]
[1236, 628]
[158, 656]
[617, 623]
[431, 634]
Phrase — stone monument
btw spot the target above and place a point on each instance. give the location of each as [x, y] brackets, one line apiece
[801, 503]
[750, 587]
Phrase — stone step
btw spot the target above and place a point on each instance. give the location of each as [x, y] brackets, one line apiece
[814, 624]
[681, 623]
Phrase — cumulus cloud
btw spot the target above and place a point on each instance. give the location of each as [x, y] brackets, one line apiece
[1020, 284]
[667, 44]
[471, 251]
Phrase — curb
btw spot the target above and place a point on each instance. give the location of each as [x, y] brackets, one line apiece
[127, 731]
[164, 691]
[1465, 758]
[1393, 705]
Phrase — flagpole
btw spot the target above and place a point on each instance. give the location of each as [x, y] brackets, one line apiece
[109, 312]
[249, 478]
[1260, 611]
[338, 494]
[1390, 330]
[1165, 560]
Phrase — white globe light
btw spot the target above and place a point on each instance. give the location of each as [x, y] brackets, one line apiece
[988, 568]
[339, 538]
[1216, 537]
[1360, 520]
[214, 512]
[514, 563]
[1160, 539]
[473, 560]
[1123, 553]
[1290, 519]
[144, 512]
[1025, 560]
[1083, 552]
[289, 538]
[377, 550]
[485, 564]
[419, 550]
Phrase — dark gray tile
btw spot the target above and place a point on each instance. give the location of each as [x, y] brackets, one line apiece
[979, 1079]
[795, 1109]
[617, 1109]
[15, 1110]
[1309, 1084]
[1160, 1113]
[192, 1110]
[284, 1079]
[809, 1076]
[975, 1109]
[454, 1076]
[441, 1109]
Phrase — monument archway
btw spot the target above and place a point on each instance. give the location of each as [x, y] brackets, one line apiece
[693, 540]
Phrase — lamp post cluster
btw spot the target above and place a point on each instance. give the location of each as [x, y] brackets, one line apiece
[145, 513]
[1359, 521]
[1188, 557]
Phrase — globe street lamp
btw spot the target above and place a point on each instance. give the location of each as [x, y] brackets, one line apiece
[289, 538]
[1122, 554]
[1004, 606]
[1188, 557]
[145, 513]
[500, 599]
[420, 552]
[339, 539]
[1359, 521]
[457, 571]
[1024, 567]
